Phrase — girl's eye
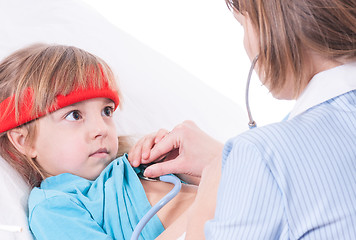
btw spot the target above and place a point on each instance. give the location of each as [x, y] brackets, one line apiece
[108, 111]
[73, 116]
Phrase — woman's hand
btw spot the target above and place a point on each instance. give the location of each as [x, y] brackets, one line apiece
[141, 150]
[186, 150]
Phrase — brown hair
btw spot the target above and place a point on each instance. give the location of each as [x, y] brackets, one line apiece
[50, 70]
[287, 28]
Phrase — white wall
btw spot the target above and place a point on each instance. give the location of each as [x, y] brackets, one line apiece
[201, 36]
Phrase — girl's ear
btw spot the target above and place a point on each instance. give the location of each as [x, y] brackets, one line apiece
[17, 137]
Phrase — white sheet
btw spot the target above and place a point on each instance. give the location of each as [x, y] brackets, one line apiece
[157, 92]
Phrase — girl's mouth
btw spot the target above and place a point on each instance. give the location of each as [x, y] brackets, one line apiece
[100, 152]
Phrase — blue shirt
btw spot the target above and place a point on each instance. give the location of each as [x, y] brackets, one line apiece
[294, 179]
[70, 207]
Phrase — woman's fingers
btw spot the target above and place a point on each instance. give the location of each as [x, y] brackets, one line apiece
[162, 168]
[140, 152]
[161, 148]
[186, 149]
[135, 154]
[160, 135]
[147, 145]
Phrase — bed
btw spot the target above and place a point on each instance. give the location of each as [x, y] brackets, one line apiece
[157, 92]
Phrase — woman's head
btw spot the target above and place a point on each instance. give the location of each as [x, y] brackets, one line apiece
[290, 32]
[41, 79]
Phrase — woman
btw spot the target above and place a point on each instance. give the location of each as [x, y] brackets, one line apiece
[289, 180]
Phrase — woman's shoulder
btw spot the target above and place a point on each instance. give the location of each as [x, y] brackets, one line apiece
[278, 141]
[313, 125]
[322, 132]
[260, 137]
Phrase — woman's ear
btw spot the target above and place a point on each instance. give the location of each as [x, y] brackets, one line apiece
[17, 137]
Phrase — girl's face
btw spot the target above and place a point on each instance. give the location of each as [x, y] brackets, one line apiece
[79, 139]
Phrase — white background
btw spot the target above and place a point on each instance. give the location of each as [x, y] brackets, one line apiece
[201, 36]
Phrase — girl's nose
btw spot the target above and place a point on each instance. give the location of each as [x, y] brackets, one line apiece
[98, 128]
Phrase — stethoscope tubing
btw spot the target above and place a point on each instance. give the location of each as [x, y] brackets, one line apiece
[251, 123]
[147, 217]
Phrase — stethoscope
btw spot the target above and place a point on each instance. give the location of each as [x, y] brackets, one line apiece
[175, 180]
[147, 217]
[251, 123]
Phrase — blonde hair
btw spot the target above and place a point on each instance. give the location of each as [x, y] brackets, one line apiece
[288, 28]
[50, 70]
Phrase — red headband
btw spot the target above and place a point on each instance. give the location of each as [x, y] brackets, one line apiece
[26, 105]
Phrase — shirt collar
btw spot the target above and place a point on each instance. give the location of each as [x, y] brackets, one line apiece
[326, 85]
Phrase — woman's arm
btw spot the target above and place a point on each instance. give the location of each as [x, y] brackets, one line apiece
[202, 209]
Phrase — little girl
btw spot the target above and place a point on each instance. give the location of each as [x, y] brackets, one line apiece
[57, 131]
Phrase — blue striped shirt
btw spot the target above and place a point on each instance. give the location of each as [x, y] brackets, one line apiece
[295, 179]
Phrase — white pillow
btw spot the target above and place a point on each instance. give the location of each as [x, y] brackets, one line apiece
[13, 203]
[157, 92]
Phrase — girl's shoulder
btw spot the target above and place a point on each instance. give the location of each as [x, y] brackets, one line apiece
[58, 188]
